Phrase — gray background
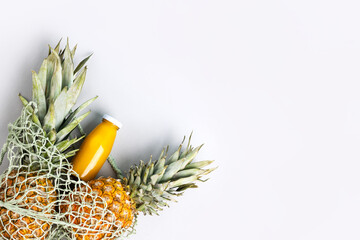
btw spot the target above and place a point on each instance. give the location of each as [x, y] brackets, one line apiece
[270, 87]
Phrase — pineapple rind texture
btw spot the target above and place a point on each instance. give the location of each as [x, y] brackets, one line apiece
[102, 211]
[32, 192]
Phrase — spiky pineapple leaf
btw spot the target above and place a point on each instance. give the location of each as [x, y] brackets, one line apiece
[25, 104]
[63, 133]
[49, 120]
[60, 108]
[51, 62]
[187, 173]
[57, 47]
[68, 67]
[73, 114]
[75, 89]
[56, 81]
[82, 63]
[159, 165]
[35, 118]
[42, 74]
[175, 155]
[200, 164]
[71, 153]
[172, 169]
[65, 144]
[23, 100]
[73, 51]
[38, 95]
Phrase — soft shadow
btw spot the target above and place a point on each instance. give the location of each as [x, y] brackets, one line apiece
[30, 60]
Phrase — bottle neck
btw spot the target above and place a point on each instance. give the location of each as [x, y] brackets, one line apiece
[110, 124]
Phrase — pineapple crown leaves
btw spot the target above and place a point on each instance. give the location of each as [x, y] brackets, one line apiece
[155, 183]
[56, 88]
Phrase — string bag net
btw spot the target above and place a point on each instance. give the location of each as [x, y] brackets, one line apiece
[39, 182]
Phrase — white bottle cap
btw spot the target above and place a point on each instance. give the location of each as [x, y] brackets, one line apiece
[113, 120]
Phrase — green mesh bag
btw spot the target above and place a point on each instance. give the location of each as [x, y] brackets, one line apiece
[37, 184]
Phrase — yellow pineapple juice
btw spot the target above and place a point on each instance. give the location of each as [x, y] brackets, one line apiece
[96, 148]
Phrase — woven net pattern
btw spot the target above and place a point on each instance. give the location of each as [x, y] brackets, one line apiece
[37, 185]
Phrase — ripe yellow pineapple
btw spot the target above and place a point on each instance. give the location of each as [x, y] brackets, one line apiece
[147, 189]
[107, 191]
[31, 192]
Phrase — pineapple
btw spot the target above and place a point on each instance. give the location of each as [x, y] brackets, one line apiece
[107, 191]
[147, 189]
[56, 88]
[31, 192]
